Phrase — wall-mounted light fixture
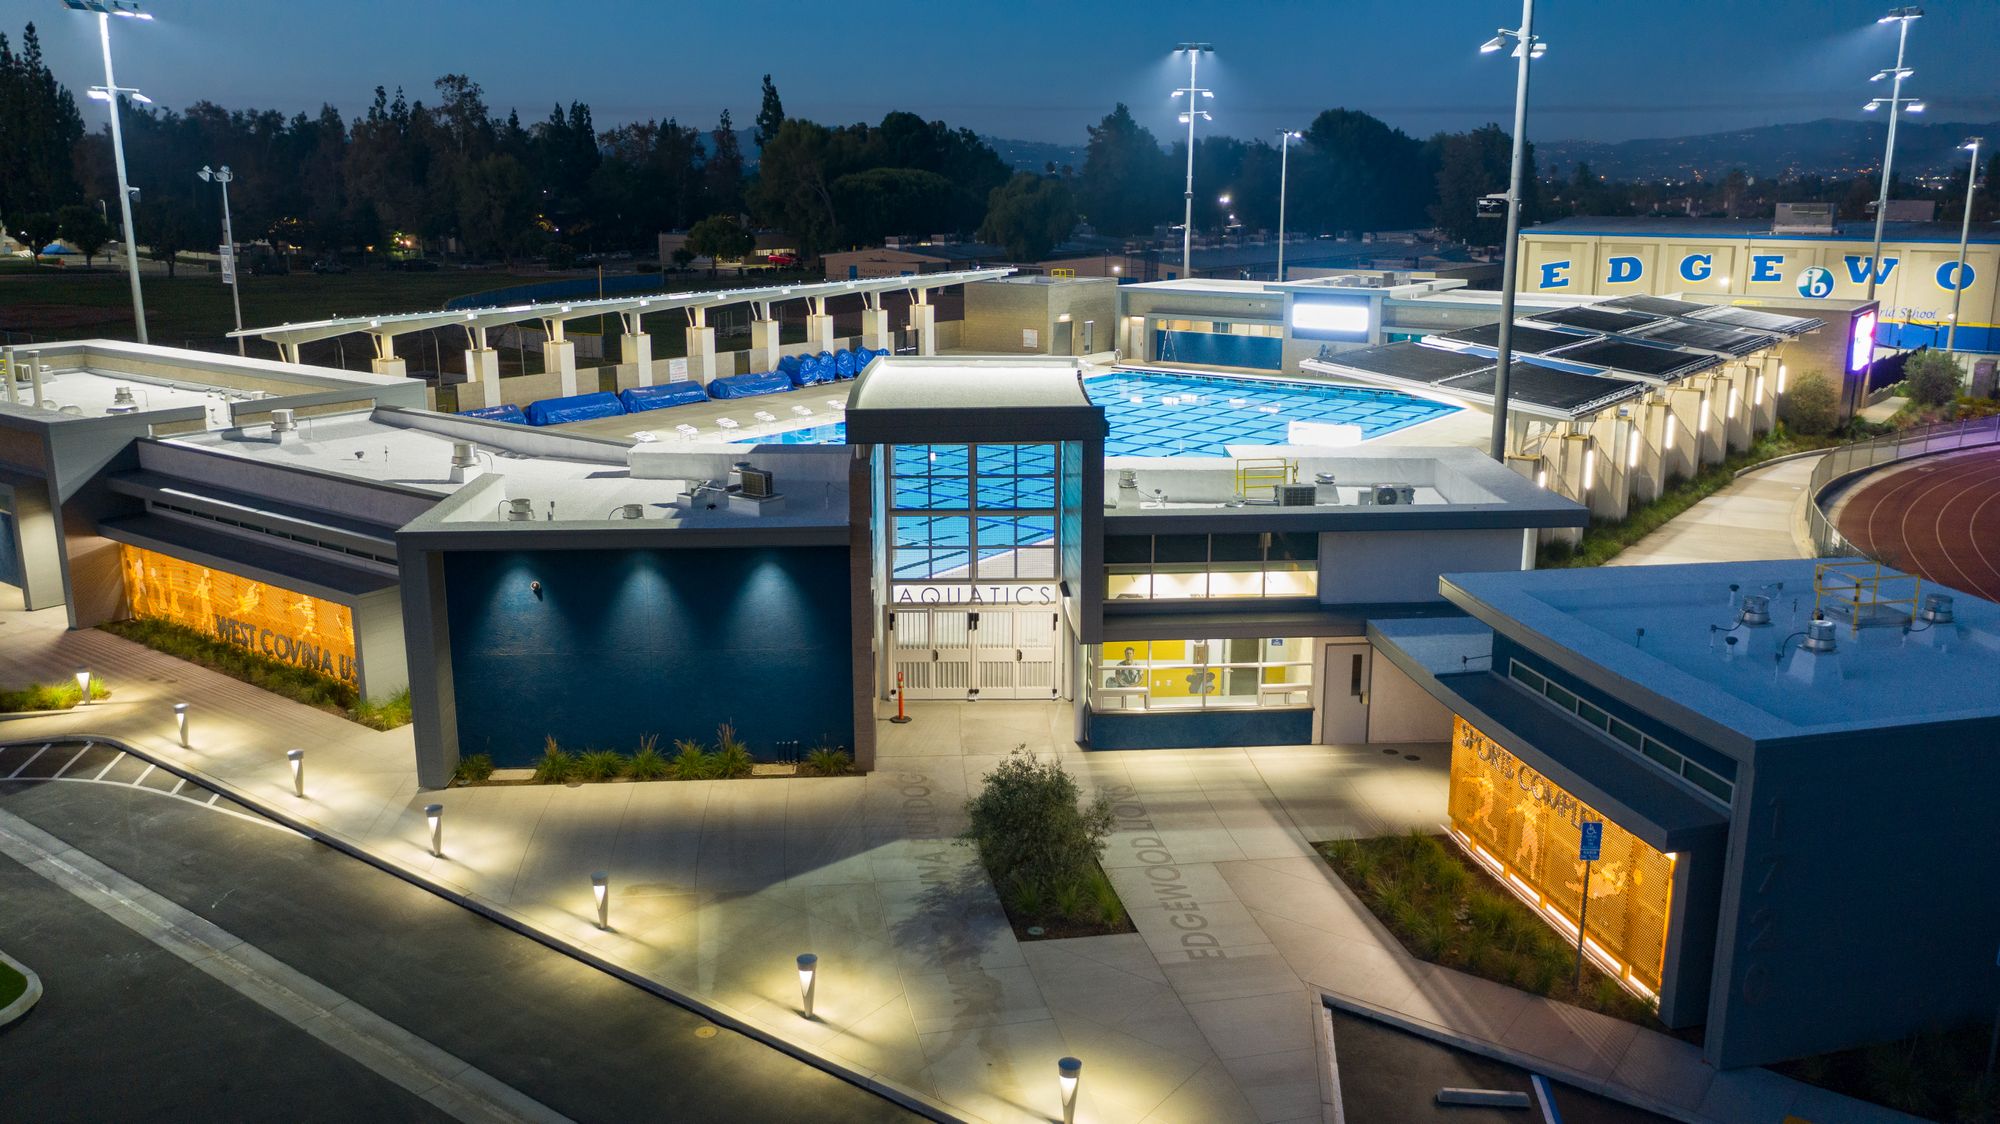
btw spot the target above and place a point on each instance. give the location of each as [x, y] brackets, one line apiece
[1781, 378]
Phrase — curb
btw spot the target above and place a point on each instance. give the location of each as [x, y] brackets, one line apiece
[916, 1102]
[27, 999]
[1496, 1052]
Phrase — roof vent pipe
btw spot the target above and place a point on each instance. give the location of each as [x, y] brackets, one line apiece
[1821, 637]
[1756, 609]
[282, 423]
[1937, 608]
[518, 511]
[464, 461]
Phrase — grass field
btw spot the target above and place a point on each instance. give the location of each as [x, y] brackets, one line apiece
[193, 308]
[12, 984]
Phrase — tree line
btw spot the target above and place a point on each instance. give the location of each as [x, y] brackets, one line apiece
[414, 175]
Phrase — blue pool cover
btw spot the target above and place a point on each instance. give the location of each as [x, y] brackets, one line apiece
[576, 407]
[642, 398]
[749, 386]
[506, 413]
[1208, 414]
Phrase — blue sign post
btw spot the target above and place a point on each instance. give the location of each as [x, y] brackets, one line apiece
[1590, 844]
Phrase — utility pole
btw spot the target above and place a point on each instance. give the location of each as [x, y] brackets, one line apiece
[108, 93]
[1901, 17]
[1285, 139]
[222, 176]
[1526, 49]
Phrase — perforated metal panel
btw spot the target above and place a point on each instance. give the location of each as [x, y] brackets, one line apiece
[1526, 829]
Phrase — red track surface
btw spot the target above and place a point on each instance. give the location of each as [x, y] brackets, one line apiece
[1938, 519]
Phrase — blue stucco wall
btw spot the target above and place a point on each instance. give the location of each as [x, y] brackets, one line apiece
[621, 644]
[1110, 729]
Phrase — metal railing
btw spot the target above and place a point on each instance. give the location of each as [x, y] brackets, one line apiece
[1849, 460]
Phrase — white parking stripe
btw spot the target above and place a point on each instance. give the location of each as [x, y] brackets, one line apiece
[143, 774]
[28, 762]
[115, 759]
[78, 756]
[443, 1080]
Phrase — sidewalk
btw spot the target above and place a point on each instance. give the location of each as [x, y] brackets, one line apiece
[1748, 520]
[1205, 1014]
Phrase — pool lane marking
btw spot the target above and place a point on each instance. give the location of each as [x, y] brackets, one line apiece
[441, 1079]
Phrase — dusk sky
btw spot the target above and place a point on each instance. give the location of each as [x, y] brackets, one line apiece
[1043, 70]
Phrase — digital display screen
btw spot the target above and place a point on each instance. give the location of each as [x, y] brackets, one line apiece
[1861, 349]
[1346, 319]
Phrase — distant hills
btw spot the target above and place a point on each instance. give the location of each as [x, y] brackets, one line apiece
[1828, 147]
[1035, 156]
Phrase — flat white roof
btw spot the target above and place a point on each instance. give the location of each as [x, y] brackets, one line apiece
[951, 382]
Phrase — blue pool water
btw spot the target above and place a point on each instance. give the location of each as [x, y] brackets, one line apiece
[1207, 414]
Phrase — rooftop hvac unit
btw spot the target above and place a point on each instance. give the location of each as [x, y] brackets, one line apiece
[1390, 495]
[1937, 608]
[1803, 218]
[1297, 495]
[757, 484]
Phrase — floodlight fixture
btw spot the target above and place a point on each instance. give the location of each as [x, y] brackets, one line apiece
[108, 93]
[1527, 48]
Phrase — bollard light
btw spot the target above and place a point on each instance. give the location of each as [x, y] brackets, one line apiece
[298, 759]
[181, 722]
[83, 685]
[600, 888]
[1069, 1072]
[808, 976]
[435, 814]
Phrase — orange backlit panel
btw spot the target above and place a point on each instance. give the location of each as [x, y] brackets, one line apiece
[293, 627]
[1532, 827]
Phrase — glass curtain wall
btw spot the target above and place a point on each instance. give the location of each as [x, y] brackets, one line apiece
[972, 513]
[1236, 673]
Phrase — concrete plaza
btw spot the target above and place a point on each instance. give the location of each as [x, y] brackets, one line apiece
[1206, 1013]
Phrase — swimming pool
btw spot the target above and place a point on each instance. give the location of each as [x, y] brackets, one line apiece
[1161, 414]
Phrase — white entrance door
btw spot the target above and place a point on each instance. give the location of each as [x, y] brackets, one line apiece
[931, 650]
[982, 653]
[1343, 710]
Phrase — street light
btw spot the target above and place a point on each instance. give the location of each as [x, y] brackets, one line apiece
[222, 176]
[1901, 17]
[1526, 48]
[1191, 92]
[808, 977]
[1964, 234]
[104, 10]
[1285, 139]
[1069, 1072]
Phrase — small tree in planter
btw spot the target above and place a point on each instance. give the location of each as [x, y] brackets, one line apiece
[1041, 842]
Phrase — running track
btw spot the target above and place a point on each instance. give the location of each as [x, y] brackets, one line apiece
[1938, 519]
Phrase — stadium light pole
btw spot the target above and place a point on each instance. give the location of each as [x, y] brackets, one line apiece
[104, 10]
[1971, 145]
[1193, 93]
[1902, 18]
[1526, 48]
[1285, 139]
[222, 176]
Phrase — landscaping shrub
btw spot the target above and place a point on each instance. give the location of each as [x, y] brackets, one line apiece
[1041, 842]
[598, 765]
[825, 761]
[1811, 405]
[556, 765]
[1932, 378]
[43, 696]
[293, 682]
[648, 764]
[692, 763]
[732, 757]
[473, 768]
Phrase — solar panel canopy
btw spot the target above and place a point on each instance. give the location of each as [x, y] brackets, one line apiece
[1598, 319]
[1563, 391]
[1639, 358]
[1532, 341]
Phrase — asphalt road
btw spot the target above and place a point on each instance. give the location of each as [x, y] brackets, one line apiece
[127, 1031]
[1387, 1074]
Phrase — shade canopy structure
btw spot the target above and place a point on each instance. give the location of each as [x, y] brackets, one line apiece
[1571, 363]
[553, 314]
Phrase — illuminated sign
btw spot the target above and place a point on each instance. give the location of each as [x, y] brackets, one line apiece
[291, 627]
[1331, 318]
[1528, 831]
[991, 593]
[1816, 283]
[1861, 347]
